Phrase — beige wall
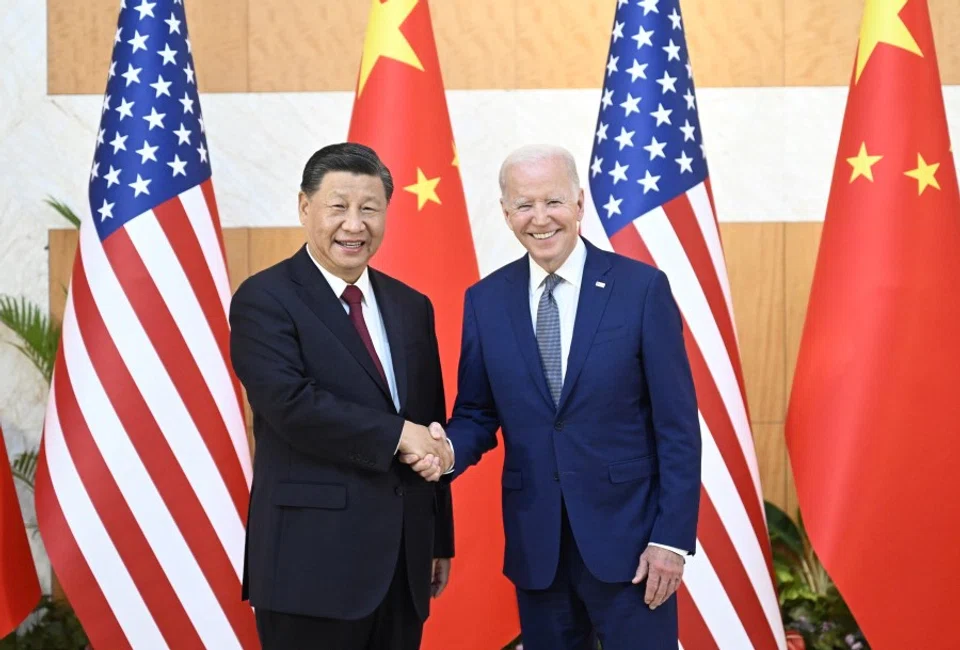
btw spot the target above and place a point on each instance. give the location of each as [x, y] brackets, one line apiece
[315, 45]
[770, 267]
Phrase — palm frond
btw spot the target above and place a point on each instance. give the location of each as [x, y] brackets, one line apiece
[24, 467]
[65, 211]
[39, 336]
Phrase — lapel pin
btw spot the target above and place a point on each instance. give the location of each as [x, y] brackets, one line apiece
[601, 284]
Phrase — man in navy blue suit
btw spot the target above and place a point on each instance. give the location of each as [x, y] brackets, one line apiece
[578, 355]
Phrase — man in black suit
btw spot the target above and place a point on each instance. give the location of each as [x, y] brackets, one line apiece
[341, 366]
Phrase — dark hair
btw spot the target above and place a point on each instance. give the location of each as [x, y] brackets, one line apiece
[345, 157]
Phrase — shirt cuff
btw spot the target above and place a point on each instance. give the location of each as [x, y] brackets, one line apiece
[678, 551]
[454, 452]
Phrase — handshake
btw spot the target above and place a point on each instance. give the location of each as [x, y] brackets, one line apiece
[426, 450]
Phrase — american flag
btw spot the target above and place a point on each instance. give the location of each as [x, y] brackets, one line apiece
[144, 479]
[649, 183]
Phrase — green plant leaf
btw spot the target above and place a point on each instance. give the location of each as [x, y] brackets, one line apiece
[38, 335]
[782, 529]
[24, 467]
[65, 211]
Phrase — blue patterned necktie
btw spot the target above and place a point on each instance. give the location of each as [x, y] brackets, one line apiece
[548, 337]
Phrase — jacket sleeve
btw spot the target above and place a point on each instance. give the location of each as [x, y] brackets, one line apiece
[676, 422]
[443, 546]
[473, 427]
[266, 356]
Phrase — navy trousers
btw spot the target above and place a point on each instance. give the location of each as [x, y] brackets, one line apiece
[577, 609]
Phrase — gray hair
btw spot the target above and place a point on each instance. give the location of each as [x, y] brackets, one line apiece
[538, 153]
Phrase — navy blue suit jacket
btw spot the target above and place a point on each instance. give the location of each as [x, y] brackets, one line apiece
[622, 450]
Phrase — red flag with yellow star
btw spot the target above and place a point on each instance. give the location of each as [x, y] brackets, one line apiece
[401, 112]
[873, 427]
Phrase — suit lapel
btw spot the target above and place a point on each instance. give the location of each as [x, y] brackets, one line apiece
[518, 305]
[592, 303]
[320, 298]
[393, 321]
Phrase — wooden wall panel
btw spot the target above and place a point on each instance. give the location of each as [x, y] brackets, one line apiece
[293, 46]
[821, 40]
[563, 44]
[80, 43]
[315, 45]
[477, 42]
[754, 253]
[271, 245]
[800, 257]
[299, 45]
[236, 244]
[219, 40]
[736, 43]
[62, 245]
[772, 458]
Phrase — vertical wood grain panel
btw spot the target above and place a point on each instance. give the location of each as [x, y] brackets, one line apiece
[822, 36]
[299, 45]
[772, 458]
[80, 41]
[79, 45]
[236, 244]
[271, 245]
[945, 15]
[802, 244]
[476, 42]
[754, 253]
[219, 38]
[562, 44]
[62, 250]
[736, 42]
[821, 41]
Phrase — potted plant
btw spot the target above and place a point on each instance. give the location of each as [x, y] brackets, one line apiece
[814, 613]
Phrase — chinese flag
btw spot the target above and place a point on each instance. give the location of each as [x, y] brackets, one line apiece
[19, 588]
[873, 427]
[401, 112]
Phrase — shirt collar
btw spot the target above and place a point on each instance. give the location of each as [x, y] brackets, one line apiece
[338, 284]
[570, 271]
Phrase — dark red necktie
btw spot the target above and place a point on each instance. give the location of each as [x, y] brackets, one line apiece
[354, 299]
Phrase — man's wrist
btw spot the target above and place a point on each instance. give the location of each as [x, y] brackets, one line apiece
[453, 453]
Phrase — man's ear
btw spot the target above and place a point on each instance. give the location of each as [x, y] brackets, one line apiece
[303, 205]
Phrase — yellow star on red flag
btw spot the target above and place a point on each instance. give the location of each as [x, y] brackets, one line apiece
[882, 24]
[384, 38]
[863, 164]
[425, 189]
[926, 175]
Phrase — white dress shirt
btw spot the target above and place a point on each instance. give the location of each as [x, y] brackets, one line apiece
[373, 319]
[567, 295]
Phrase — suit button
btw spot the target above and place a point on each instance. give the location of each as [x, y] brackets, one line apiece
[399, 491]
[556, 476]
[558, 425]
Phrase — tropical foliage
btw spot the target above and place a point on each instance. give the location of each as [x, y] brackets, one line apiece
[53, 625]
[809, 601]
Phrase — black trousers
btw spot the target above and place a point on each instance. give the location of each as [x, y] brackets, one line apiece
[394, 625]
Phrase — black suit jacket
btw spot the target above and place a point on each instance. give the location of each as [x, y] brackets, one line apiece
[329, 499]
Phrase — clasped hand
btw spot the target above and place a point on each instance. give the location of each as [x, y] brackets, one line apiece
[426, 450]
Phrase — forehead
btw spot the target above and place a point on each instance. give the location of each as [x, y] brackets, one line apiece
[537, 177]
[350, 184]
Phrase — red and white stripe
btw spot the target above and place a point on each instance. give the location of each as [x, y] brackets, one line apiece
[727, 600]
[143, 486]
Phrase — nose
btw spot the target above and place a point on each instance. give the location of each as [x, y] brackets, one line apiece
[540, 216]
[352, 223]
